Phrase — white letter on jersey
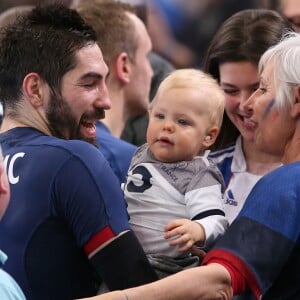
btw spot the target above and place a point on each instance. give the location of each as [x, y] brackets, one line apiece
[9, 167]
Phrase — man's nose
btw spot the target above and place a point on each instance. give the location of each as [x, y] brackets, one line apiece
[103, 99]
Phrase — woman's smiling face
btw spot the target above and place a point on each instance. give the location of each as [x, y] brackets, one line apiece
[239, 80]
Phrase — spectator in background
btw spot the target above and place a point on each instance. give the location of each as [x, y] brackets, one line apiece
[162, 33]
[181, 30]
[135, 129]
[290, 9]
[126, 45]
[232, 58]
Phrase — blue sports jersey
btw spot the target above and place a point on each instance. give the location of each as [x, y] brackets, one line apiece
[263, 243]
[65, 203]
[118, 152]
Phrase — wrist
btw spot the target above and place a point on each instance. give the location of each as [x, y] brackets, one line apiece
[200, 241]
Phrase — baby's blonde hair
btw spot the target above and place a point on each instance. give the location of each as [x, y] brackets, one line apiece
[198, 80]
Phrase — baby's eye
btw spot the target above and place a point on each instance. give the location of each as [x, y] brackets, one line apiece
[159, 116]
[183, 122]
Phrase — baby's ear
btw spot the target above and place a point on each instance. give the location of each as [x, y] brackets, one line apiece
[210, 136]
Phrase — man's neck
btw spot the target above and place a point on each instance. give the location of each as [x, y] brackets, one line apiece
[33, 119]
[115, 118]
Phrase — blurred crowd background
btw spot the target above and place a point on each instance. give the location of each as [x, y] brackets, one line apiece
[180, 29]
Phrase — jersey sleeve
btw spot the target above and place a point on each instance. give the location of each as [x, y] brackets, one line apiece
[263, 242]
[90, 198]
[87, 194]
[204, 202]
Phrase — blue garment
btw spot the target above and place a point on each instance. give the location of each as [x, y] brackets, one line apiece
[118, 152]
[173, 14]
[65, 203]
[223, 158]
[263, 243]
[9, 289]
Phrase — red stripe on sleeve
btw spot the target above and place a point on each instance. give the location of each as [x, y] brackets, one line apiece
[98, 239]
[239, 271]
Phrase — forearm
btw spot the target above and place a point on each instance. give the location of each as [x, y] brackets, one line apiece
[205, 283]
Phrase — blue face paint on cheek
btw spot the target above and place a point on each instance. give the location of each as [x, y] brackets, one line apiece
[268, 108]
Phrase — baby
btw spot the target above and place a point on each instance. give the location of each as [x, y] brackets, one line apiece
[174, 192]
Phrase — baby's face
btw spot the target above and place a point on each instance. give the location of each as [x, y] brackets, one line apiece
[178, 124]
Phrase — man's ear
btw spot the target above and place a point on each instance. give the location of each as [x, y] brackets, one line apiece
[210, 137]
[33, 89]
[123, 67]
[295, 112]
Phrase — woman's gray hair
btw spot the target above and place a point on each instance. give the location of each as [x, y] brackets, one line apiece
[285, 57]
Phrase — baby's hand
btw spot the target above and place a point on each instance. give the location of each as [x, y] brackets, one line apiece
[187, 232]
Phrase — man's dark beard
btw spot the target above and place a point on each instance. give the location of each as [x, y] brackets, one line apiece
[61, 122]
[93, 141]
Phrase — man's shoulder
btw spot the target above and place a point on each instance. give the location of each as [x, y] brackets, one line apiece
[28, 140]
[56, 147]
[72, 146]
[82, 152]
[25, 137]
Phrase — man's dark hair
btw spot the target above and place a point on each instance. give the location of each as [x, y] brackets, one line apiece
[44, 41]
